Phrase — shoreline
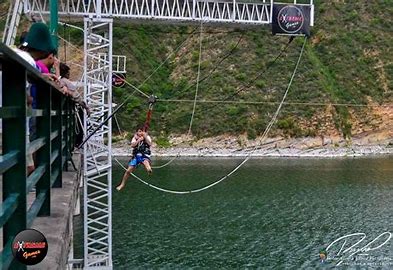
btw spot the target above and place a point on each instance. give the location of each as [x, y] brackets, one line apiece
[319, 152]
[240, 147]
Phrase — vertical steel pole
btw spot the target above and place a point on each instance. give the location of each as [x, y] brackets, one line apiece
[312, 13]
[109, 101]
[234, 11]
[54, 20]
[85, 90]
[44, 123]
[14, 139]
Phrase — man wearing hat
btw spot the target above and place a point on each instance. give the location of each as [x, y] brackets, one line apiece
[38, 42]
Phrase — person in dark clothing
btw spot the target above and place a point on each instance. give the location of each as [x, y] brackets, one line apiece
[70, 88]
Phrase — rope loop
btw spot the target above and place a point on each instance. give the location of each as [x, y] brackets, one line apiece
[264, 136]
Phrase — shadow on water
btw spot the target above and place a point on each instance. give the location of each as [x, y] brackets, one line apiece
[271, 214]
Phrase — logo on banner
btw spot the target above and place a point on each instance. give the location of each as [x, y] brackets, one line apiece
[29, 247]
[118, 80]
[290, 19]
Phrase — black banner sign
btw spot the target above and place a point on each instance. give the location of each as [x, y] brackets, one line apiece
[291, 20]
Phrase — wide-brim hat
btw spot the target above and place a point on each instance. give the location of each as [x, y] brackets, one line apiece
[39, 38]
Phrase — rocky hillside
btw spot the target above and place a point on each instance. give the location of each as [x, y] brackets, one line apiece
[348, 60]
[343, 87]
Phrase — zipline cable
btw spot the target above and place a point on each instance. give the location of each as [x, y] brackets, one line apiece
[195, 99]
[224, 101]
[263, 71]
[218, 64]
[197, 86]
[128, 83]
[318, 104]
[210, 73]
[130, 95]
[144, 94]
[197, 80]
[137, 88]
[268, 128]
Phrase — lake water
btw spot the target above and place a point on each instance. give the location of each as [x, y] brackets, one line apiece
[273, 213]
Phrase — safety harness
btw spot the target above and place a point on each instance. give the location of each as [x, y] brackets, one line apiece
[144, 148]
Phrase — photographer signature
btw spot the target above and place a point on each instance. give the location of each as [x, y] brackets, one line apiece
[345, 253]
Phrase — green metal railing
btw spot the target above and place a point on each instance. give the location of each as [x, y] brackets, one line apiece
[52, 147]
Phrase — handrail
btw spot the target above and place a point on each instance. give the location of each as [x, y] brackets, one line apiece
[34, 177]
[8, 160]
[34, 74]
[51, 147]
[8, 208]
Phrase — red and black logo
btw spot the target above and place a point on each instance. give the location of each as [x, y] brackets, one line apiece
[29, 247]
[291, 19]
[118, 79]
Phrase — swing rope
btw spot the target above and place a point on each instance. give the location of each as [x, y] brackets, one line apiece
[264, 136]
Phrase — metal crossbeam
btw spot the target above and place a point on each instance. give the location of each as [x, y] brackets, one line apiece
[219, 11]
[12, 22]
[97, 150]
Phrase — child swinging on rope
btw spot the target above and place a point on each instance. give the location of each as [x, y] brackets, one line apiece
[141, 142]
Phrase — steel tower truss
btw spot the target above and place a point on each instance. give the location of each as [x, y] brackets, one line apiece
[12, 22]
[97, 151]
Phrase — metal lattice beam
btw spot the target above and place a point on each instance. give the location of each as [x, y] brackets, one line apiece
[97, 151]
[220, 11]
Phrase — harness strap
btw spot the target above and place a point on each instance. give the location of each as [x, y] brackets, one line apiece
[152, 100]
[147, 122]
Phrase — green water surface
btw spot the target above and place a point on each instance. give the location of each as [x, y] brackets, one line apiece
[272, 214]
